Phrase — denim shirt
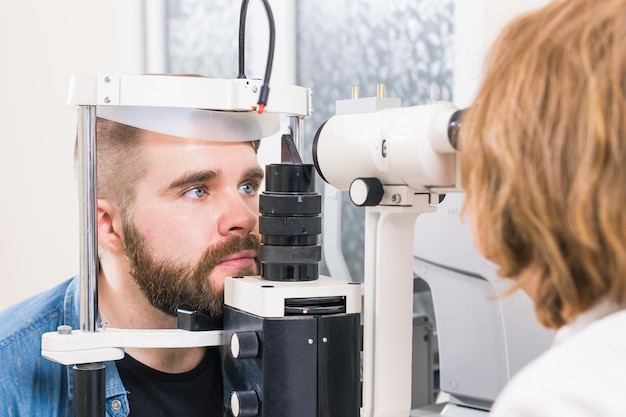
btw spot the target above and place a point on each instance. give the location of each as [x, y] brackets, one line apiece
[32, 386]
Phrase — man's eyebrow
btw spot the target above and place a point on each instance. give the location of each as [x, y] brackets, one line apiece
[253, 174]
[191, 178]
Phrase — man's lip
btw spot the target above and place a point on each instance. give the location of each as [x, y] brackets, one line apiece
[239, 255]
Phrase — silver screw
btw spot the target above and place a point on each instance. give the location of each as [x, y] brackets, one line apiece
[255, 89]
[396, 198]
[107, 99]
[384, 149]
[325, 339]
[310, 341]
[107, 79]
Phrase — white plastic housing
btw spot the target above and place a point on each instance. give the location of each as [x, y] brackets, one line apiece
[185, 91]
[401, 146]
[485, 338]
[267, 298]
[189, 106]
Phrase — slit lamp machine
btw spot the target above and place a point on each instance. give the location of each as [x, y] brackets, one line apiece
[296, 343]
[293, 340]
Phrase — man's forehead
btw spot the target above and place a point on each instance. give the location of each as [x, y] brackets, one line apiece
[152, 142]
[173, 153]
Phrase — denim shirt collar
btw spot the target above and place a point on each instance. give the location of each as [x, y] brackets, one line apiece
[116, 401]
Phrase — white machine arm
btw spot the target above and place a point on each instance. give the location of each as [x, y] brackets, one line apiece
[395, 161]
[189, 106]
[69, 347]
[388, 304]
[195, 92]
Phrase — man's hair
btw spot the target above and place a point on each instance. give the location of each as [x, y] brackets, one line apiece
[119, 162]
[543, 154]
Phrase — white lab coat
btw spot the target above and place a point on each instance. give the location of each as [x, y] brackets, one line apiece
[583, 374]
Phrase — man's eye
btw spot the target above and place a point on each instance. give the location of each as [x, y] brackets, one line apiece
[196, 193]
[247, 189]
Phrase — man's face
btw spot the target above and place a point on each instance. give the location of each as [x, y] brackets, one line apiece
[194, 221]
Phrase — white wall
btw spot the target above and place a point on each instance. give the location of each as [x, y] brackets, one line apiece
[41, 43]
[477, 23]
[499, 12]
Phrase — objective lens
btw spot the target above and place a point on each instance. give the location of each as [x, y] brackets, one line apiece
[290, 224]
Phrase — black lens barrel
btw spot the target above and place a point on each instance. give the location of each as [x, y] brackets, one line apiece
[290, 224]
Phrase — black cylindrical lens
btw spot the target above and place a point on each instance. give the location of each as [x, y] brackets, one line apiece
[290, 224]
[454, 125]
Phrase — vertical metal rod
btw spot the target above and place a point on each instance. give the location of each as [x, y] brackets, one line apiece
[380, 90]
[88, 223]
[355, 92]
[296, 124]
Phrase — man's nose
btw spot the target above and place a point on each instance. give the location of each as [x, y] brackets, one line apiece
[240, 215]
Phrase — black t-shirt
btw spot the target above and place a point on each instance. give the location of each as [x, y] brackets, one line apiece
[152, 393]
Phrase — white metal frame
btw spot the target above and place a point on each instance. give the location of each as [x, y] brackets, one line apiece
[93, 93]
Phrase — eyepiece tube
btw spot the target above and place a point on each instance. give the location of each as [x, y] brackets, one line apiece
[454, 127]
[398, 146]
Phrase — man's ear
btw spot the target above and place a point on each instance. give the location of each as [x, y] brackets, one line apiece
[110, 226]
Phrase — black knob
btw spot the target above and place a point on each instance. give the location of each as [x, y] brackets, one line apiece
[244, 345]
[366, 191]
[244, 404]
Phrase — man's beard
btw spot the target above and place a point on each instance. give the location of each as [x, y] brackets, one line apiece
[170, 285]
